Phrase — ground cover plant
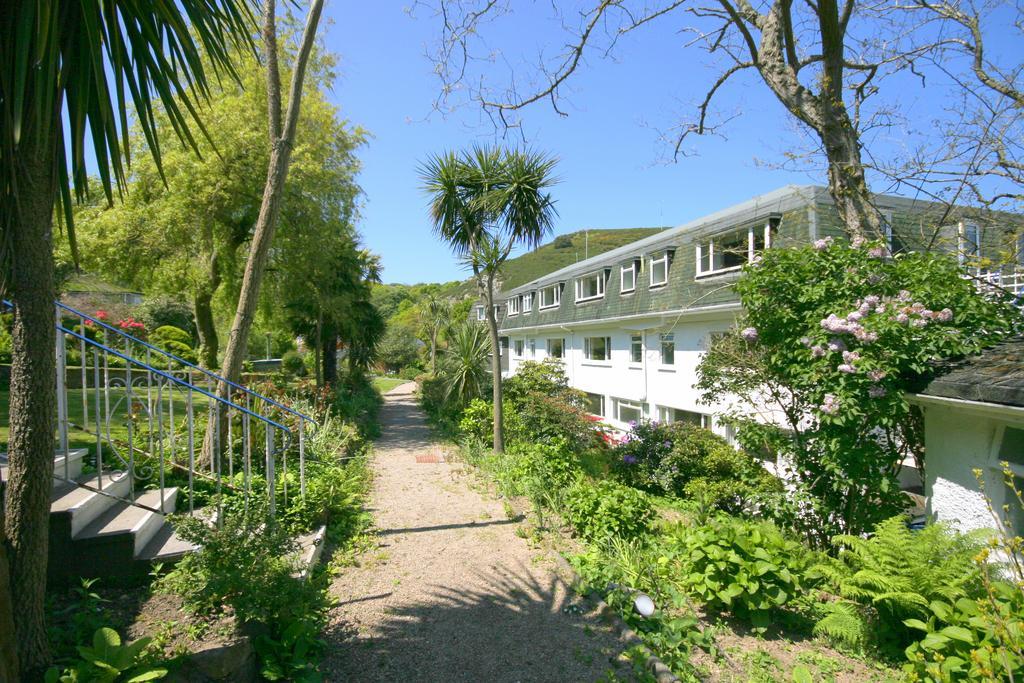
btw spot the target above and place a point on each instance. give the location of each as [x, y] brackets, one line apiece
[675, 512]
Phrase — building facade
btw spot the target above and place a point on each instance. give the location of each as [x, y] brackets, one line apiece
[973, 423]
[632, 324]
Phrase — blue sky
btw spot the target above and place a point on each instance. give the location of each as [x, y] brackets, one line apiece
[612, 162]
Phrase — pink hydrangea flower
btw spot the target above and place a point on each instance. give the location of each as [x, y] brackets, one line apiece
[836, 344]
[945, 315]
[876, 252]
[902, 318]
[847, 368]
[876, 392]
[817, 351]
[749, 334]
[822, 244]
[851, 356]
[876, 375]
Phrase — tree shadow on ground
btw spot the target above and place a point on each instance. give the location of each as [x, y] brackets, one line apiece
[506, 625]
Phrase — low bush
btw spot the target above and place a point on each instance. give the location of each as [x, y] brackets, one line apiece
[747, 568]
[293, 364]
[970, 640]
[893, 576]
[107, 660]
[547, 408]
[684, 460]
[251, 566]
[599, 510]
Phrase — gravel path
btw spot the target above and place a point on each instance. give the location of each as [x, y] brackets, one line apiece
[451, 593]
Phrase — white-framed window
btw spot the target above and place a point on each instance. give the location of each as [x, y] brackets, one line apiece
[550, 297]
[969, 241]
[659, 270]
[513, 306]
[597, 348]
[668, 414]
[590, 287]
[627, 278]
[628, 411]
[527, 302]
[517, 345]
[556, 348]
[636, 349]
[480, 313]
[732, 250]
[533, 348]
[668, 349]
[594, 404]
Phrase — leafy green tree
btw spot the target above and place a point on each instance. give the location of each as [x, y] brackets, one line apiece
[832, 337]
[86, 64]
[181, 226]
[397, 350]
[483, 203]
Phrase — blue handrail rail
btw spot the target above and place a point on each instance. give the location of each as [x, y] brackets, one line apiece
[174, 379]
[168, 354]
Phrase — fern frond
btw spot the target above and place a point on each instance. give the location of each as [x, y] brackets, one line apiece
[843, 624]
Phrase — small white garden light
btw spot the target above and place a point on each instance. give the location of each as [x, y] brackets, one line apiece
[644, 605]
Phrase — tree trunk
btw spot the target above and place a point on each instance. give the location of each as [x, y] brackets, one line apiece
[32, 402]
[330, 359]
[318, 350]
[277, 173]
[433, 351]
[846, 181]
[8, 653]
[492, 328]
[206, 329]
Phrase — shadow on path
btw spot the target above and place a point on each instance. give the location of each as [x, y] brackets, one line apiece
[508, 627]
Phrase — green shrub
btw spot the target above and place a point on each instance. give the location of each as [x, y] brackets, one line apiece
[603, 509]
[970, 640]
[160, 311]
[410, 372]
[293, 364]
[894, 576]
[251, 566]
[681, 459]
[746, 567]
[554, 464]
[477, 419]
[541, 407]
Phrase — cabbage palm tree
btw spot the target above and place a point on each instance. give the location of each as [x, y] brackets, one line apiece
[69, 72]
[464, 364]
[437, 313]
[483, 203]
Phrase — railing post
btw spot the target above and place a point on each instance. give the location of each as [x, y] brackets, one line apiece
[62, 397]
[302, 459]
[270, 470]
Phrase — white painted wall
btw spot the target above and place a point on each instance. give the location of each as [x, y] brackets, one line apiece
[957, 442]
[650, 382]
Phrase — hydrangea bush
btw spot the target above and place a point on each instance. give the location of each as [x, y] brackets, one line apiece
[833, 336]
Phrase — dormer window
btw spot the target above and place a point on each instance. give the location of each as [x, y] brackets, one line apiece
[513, 306]
[970, 241]
[627, 278]
[550, 297]
[527, 302]
[730, 251]
[659, 269]
[590, 287]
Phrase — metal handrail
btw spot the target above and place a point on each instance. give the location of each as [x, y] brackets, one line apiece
[168, 354]
[180, 382]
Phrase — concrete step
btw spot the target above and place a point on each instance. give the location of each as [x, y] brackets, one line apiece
[127, 518]
[165, 546]
[83, 505]
[75, 457]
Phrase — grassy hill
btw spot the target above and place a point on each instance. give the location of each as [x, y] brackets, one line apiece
[563, 251]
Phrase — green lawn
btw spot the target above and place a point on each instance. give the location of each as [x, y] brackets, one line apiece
[386, 384]
[118, 429]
